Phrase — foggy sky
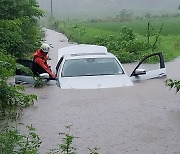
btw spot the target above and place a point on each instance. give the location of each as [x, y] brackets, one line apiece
[107, 7]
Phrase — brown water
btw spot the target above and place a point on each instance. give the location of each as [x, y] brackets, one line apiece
[141, 119]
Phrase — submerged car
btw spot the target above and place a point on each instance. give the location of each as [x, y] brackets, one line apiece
[91, 66]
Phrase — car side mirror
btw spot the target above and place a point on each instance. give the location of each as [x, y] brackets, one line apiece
[49, 81]
[140, 72]
[44, 75]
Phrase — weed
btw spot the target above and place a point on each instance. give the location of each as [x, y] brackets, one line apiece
[94, 150]
[13, 142]
[66, 146]
[173, 84]
[12, 100]
[38, 82]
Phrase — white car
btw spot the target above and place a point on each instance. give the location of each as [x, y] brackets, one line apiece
[91, 67]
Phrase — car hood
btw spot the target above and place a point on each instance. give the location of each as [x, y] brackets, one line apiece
[95, 82]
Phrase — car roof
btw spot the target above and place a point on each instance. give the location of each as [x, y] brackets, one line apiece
[82, 50]
[89, 55]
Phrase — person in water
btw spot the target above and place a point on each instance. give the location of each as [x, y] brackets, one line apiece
[41, 56]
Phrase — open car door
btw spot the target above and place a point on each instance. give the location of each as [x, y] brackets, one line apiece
[23, 77]
[144, 71]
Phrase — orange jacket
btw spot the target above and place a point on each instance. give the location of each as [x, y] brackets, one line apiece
[41, 59]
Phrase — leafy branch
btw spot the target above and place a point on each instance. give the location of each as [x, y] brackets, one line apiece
[173, 84]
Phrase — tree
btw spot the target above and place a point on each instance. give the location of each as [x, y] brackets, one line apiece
[19, 29]
[13, 9]
[124, 15]
[147, 16]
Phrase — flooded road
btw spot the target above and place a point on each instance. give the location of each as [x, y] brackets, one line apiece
[141, 119]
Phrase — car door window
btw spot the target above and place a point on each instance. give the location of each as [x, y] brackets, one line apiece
[59, 63]
[146, 70]
[151, 63]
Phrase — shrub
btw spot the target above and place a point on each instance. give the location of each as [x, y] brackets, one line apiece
[13, 142]
[19, 30]
[173, 84]
[11, 97]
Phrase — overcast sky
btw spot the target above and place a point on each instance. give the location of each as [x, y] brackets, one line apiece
[107, 7]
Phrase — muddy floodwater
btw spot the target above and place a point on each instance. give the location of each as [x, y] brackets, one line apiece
[141, 119]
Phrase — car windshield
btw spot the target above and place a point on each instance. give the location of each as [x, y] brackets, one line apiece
[91, 67]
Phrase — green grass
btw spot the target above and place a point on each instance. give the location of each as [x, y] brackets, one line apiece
[170, 46]
[171, 26]
[110, 34]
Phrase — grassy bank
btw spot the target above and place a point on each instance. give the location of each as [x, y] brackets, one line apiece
[171, 25]
[129, 41]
